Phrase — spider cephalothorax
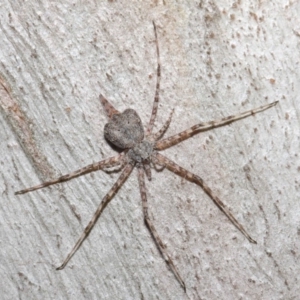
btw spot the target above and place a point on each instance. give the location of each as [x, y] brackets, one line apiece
[125, 130]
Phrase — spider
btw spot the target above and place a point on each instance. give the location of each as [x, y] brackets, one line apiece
[141, 150]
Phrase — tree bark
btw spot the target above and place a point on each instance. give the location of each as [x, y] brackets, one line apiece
[218, 58]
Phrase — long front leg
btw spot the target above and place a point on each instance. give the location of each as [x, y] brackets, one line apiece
[124, 175]
[148, 222]
[109, 162]
[156, 136]
[179, 137]
[172, 166]
[156, 97]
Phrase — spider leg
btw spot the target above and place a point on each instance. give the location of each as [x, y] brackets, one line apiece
[147, 170]
[109, 162]
[172, 166]
[124, 175]
[156, 136]
[156, 97]
[153, 232]
[179, 137]
[109, 109]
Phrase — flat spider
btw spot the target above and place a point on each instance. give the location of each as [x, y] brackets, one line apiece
[141, 150]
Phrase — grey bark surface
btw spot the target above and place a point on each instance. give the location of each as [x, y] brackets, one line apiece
[218, 58]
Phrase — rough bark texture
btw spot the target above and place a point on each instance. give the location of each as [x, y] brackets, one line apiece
[218, 58]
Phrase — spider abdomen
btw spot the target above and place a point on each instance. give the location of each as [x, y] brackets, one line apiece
[124, 130]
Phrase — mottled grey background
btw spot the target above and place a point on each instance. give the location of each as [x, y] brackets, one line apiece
[218, 58]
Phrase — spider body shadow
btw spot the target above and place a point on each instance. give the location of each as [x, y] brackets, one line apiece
[141, 150]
